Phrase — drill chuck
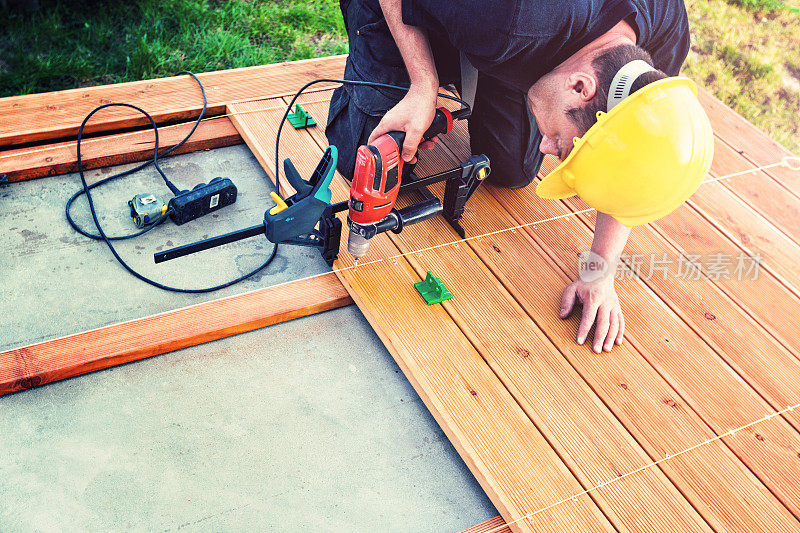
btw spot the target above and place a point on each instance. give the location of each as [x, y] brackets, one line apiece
[395, 221]
[357, 244]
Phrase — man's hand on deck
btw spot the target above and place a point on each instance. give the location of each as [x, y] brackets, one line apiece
[413, 114]
[600, 307]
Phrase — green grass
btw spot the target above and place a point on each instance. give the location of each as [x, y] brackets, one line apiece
[70, 44]
[746, 52]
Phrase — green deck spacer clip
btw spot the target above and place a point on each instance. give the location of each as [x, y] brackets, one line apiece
[433, 290]
[300, 118]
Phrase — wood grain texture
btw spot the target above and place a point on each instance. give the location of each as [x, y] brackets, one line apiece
[488, 525]
[652, 408]
[749, 141]
[759, 190]
[719, 318]
[53, 360]
[702, 382]
[61, 158]
[48, 116]
[587, 436]
[636, 382]
[511, 459]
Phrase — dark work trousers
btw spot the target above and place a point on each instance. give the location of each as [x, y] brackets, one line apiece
[501, 126]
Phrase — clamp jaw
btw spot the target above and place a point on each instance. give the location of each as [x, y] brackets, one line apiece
[298, 214]
[293, 220]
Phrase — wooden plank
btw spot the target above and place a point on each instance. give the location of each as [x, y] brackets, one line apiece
[749, 141]
[489, 525]
[751, 233]
[53, 360]
[560, 242]
[47, 116]
[703, 383]
[765, 298]
[61, 158]
[583, 432]
[759, 190]
[508, 455]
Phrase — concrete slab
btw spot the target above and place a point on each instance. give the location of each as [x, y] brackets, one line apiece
[57, 282]
[307, 425]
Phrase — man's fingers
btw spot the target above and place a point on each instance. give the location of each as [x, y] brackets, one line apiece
[428, 145]
[589, 314]
[613, 330]
[621, 334]
[567, 301]
[601, 329]
[410, 145]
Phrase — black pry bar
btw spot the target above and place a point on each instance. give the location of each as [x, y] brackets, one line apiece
[206, 244]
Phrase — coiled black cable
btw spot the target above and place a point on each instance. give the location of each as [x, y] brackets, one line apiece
[87, 191]
[153, 161]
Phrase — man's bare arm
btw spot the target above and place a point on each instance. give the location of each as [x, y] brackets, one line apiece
[414, 47]
[414, 113]
[609, 239]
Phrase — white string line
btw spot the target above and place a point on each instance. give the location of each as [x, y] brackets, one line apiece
[116, 136]
[611, 481]
[393, 258]
[782, 163]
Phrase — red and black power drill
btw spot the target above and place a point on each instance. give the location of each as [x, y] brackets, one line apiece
[379, 173]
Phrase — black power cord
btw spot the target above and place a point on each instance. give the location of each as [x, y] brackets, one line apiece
[154, 161]
[102, 236]
[466, 110]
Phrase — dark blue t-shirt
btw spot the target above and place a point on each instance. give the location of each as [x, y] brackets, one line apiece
[518, 41]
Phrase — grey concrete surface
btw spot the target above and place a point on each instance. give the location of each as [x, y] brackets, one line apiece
[303, 426]
[57, 282]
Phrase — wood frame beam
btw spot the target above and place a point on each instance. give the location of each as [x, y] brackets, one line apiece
[53, 360]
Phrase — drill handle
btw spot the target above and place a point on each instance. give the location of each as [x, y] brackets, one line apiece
[442, 123]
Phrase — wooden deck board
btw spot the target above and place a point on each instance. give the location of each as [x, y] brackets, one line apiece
[489, 525]
[576, 423]
[749, 141]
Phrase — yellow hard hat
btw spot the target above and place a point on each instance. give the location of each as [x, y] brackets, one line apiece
[643, 158]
